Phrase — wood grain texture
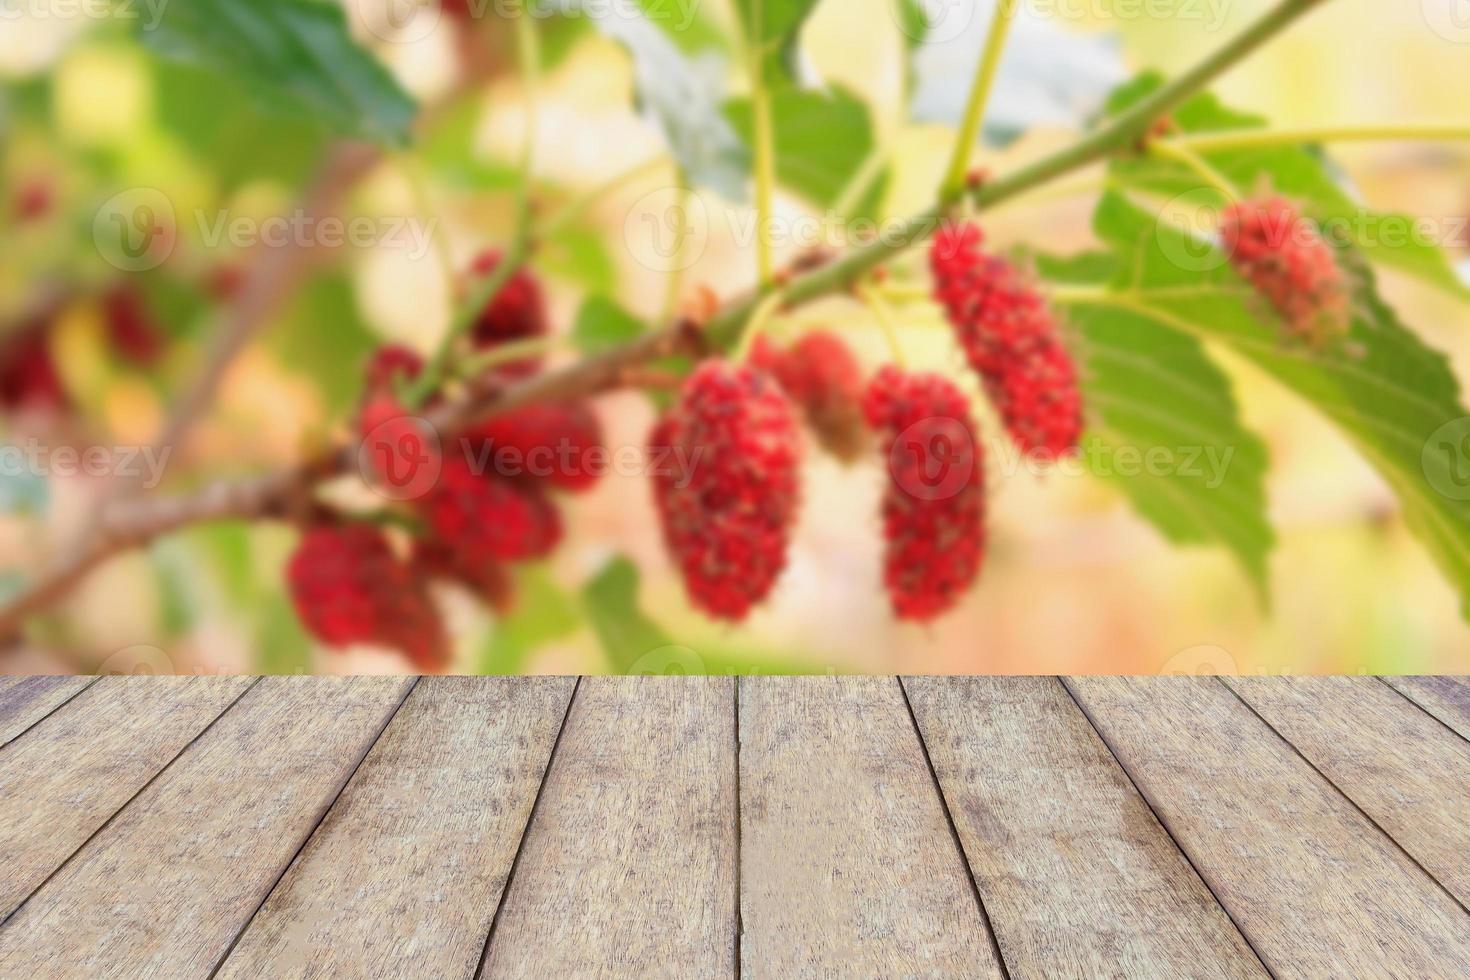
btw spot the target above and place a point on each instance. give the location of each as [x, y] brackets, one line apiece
[165, 887]
[1401, 766]
[78, 767]
[1078, 876]
[1317, 889]
[628, 866]
[1446, 698]
[26, 700]
[848, 865]
[403, 876]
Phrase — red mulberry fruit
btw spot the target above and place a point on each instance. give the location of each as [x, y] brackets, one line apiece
[558, 443]
[390, 366]
[518, 312]
[1011, 339]
[724, 462]
[348, 587]
[489, 580]
[28, 375]
[934, 507]
[1288, 262]
[490, 519]
[131, 329]
[820, 374]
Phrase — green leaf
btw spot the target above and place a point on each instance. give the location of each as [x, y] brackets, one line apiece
[450, 153]
[1395, 399]
[325, 339]
[680, 94]
[1302, 174]
[633, 642]
[1165, 429]
[602, 324]
[579, 255]
[913, 21]
[822, 139]
[772, 28]
[294, 56]
[543, 614]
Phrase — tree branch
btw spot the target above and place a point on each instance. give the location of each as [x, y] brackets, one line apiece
[135, 522]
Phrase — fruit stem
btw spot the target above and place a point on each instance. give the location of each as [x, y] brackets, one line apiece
[765, 152]
[757, 323]
[579, 206]
[985, 71]
[1181, 153]
[1246, 139]
[505, 353]
[886, 323]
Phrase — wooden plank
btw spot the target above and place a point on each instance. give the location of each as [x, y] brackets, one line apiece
[403, 875]
[78, 767]
[1078, 876]
[167, 885]
[26, 700]
[848, 864]
[1446, 698]
[1316, 888]
[1401, 766]
[628, 866]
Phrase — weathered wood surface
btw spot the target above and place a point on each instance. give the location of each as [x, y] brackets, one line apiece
[403, 875]
[26, 700]
[1404, 769]
[628, 864]
[167, 885]
[76, 768]
[848, 866]
[1079, 877]
[1446, 698]
[774, 827]
[1315, 886]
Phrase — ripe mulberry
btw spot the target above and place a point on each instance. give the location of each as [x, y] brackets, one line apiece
[934, 506]
[488, 580]
[518, 312]
[727, 509]
[348, 587]
[29, 378]
[1284, 257]
[558, 443]
[487, 518]
[131, 329]
[1011, 339]
[390, 366]
[821, 375]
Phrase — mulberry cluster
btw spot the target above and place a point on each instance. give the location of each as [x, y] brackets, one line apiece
[727, 518]
[820, 374]
[1011, 339]
[518, 312]
[349, 587]
[1281, 253]
[934, 505]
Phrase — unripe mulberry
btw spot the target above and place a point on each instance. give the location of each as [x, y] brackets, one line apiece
[390, 366]
[1284, 257]
[556, 443]
[518, 312]
[1011, 339]
[487, 518]
[820, 374]
[348, 587]
[934, 505]
[727, 513]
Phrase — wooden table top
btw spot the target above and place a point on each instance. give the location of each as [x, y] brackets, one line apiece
[708, 827]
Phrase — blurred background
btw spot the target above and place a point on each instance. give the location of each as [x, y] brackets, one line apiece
[101, 355]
